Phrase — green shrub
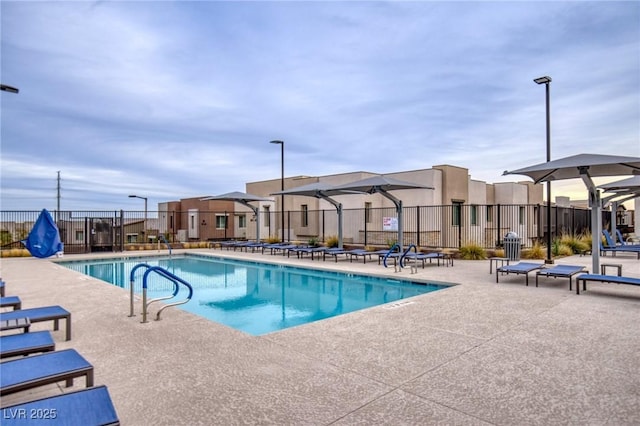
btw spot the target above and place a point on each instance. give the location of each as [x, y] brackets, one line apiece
[575, 243]
[472, 251]
[559, 248]
[17, 252]
[273, 239]
[313, 242]
[538, 251]
[391, 242]
[332, 241]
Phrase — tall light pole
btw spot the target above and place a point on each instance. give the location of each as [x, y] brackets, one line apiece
[145, 215]
[546, 80]
[281, 143]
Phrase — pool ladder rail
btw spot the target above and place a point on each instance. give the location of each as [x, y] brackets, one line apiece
[177, 281]
[413, 266]
[162, 239]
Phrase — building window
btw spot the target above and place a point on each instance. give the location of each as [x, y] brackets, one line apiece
[79, 235]
[522, 215]
[242, 221]
[267, 216]
[132, 238]
[221, 221]
[304, 219]
[474, 214]
[456, 213]
[489, 213]
[367, 212]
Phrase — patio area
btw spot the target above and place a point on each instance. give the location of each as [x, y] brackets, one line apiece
[475, 353]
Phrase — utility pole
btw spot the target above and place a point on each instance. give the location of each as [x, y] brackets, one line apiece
[58, 198]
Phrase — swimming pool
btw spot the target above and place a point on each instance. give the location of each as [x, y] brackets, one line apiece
[254, 297]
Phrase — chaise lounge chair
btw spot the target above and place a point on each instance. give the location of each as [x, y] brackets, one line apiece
[335, 252]
[562, 271]
[357, 253]
[624, 243]
[519, 268]
[26, 344]
[300, 251]
[446, 259]
[86, 407]
[613, 248]
[604, 279]
[10, 302]
[39, 370]
[45, 313]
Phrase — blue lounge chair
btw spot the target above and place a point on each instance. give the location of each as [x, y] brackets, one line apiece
[301, 251]
[86, 407]
[357, 253]
[519, 268]
[10, 302]
[446, 259]
[562, 271]
[335, 252]
[623, 243]
[39, 370]
[619, 249]
[604, 279]
[45, 313]
[279, 248]
[26, 344]
[611, 246]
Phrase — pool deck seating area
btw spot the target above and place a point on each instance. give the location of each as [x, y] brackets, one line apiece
[475, 353]
[337, 254]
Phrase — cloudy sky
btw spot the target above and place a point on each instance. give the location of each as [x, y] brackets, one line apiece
[170, 100]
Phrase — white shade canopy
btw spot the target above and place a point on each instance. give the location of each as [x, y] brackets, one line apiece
[584, 166]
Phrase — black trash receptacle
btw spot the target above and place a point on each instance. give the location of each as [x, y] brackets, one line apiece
[512, 246]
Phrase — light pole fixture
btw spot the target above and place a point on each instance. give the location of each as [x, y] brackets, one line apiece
[281, 143]
[11, 89]
[145, 214]
[546, 80]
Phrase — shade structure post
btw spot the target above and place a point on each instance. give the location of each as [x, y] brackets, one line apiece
[245, 200]
[595, 204]
[339, 225]
[398, 204]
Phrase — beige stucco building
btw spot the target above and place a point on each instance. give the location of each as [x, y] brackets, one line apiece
[452, 187]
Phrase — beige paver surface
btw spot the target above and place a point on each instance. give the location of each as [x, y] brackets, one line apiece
[476, 353]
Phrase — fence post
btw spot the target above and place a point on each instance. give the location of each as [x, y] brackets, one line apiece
[121, 230]
[365, 227]
[555, 229]
[417, 226]
[460, 226]
[499, 221]
[540, 227]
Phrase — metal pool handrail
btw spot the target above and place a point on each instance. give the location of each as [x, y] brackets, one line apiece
[394, 246]
[166, 274]
[406, 252]
[161, 238]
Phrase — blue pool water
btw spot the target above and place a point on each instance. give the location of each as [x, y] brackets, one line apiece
[254, 297]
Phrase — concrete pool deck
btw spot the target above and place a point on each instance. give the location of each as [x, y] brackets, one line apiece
[475, 353]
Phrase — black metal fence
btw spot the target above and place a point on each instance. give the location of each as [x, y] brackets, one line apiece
[449, 226]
